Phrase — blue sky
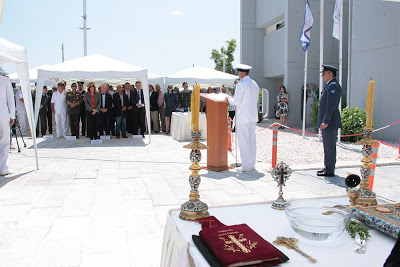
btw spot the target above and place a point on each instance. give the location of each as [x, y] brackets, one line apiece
[163, 36]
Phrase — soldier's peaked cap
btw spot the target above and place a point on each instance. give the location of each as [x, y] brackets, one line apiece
[243, 67]
[329, 67]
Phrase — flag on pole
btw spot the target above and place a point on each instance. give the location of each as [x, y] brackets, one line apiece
[336, 20]
[305, 34]
[1, 8]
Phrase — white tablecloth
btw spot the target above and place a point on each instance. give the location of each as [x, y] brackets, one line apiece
[179, 249]
[181, 128]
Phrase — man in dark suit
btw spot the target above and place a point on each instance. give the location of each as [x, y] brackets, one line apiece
[82, 115]
[154, 108]
[121, 105]
[128, 89]
[134, 111]
[105, 110]
[43, 111]
[329, 118]
[49, 112]
[141, 112]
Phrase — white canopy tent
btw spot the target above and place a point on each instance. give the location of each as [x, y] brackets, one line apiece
[96, 68]
[89, 62]
[32, 75]
[13, 53]
[200, 75]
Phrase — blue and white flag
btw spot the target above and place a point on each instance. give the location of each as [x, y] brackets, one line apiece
[336, 19]
[305, 34]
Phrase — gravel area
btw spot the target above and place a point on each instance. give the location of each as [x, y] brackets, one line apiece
[296, 150]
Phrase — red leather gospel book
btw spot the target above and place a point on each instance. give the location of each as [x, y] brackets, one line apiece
[238, 245]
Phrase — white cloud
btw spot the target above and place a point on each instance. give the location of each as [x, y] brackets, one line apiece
[177, 13]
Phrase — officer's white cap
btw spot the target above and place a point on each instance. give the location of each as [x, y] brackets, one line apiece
[245, 67]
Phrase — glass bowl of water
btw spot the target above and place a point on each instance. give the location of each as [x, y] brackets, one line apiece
[317, 219]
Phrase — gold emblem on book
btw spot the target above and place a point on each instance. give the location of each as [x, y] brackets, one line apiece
[243, 243]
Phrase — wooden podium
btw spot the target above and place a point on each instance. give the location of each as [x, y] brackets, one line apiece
[217, 132]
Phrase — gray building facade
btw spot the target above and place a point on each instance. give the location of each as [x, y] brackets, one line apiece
[270, 31]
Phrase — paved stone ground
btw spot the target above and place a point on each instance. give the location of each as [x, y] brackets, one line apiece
[106, 204]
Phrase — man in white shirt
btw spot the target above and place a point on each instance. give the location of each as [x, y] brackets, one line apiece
[59, 107]
[21, 111]
[7, 116]
[245, 100]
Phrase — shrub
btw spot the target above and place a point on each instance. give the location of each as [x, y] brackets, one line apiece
[260, 116]
[353, 122]
[314, 111]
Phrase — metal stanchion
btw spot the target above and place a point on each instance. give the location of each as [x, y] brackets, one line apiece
[374, 157]
[274, 144]
[229, 134]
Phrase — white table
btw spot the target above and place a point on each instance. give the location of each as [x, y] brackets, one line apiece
[181, 128]
[179, 249]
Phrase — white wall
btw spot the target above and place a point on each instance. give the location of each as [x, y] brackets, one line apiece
[252, 39]
[274, 53]
[376, 54]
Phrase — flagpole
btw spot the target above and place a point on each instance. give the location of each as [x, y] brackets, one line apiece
[340, 61]
[321, 53]
[349, 54]
[305, 93]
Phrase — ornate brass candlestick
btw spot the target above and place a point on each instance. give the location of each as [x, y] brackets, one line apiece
[367, 197]
[194, 209]
[280, 173]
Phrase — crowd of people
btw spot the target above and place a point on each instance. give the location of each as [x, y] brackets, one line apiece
[92, 112]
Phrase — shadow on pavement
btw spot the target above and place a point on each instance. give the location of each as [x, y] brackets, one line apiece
[336, 180]
[244, 176]
[8, 178]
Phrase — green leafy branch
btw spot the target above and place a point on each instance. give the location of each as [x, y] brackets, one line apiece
[354, 228]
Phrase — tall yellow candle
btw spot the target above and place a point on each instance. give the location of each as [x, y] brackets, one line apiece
[195, 107]
[370, 103]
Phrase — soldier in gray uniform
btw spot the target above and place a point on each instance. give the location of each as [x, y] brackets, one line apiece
[74, 101]
[185, 97]
[329, 118]
[171, 101]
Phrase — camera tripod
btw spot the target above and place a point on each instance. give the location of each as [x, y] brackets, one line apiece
[14, 128]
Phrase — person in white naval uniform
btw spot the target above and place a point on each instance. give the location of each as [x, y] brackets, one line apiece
[21, 111]
[59, 106]
[7, 116]
[245, 100]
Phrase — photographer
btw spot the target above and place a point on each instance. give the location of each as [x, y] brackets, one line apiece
[7, 116]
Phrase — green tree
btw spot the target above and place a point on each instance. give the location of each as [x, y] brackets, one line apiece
[2, 72]
[218, 57]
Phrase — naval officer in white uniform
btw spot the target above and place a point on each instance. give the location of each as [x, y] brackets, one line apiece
[59, 107]
[7, 116]
[245, 100]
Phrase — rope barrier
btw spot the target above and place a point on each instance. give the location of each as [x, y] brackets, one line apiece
[265, 128]
[386, 144]
[297, 130]
[347, 135]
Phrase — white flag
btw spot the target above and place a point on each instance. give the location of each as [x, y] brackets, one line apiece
[1, 8]
[336, 20]
[305, 35]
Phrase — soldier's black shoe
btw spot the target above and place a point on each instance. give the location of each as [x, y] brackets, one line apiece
[324, 173]
[321, 171]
